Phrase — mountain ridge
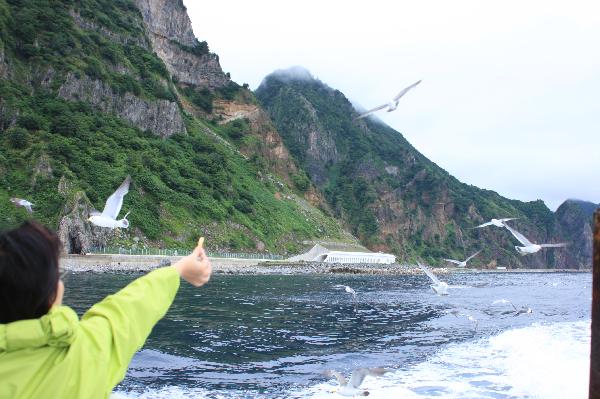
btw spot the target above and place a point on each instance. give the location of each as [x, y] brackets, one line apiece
[400, 200]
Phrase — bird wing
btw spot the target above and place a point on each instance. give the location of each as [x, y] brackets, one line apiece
[557, 245]
[115, 201]
[483, 225]
[519, 236]
[429, 273]
[453, 261]
[359, 375]
[28, 207]
[339, 377]
[507, 219]
[366, 113]
[472, 256]
[404, 91]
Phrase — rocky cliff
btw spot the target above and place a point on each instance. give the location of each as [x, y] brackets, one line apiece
[161, 117]
[170, 31]
[395, 199]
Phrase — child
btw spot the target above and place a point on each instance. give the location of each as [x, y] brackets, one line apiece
[45, 350]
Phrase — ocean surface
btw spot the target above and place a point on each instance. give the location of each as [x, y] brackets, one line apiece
[273, 336]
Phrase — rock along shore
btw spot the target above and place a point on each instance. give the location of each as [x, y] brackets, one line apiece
[143, 263]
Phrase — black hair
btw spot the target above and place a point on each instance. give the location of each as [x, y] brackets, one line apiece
[28, 271]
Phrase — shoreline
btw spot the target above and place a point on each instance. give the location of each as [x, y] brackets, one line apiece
[145, 263]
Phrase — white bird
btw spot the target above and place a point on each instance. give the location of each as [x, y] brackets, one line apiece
[112, 208]
[439, 287]
[19, 202]
[473, 321]
[347, 289]
[495, 222]
[456, 313]
[392, 105]
[529, 247]
[352, 387]
[464, 262]
[518, 311]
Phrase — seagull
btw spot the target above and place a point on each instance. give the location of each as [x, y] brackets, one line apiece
[439, 287]
[473, 321]
[19, 202]
[463, 263]
[351, 388]
[456, 313]
[392, 105]
[112, 208]
[521, 310]
[495, 222]
[529, 247]
[347, 289]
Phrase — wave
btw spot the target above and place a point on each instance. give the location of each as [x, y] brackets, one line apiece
[545, 361]
[540, 361]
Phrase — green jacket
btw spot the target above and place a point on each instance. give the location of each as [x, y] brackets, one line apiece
[60, 356]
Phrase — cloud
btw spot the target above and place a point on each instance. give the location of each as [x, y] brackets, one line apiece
[509, 98]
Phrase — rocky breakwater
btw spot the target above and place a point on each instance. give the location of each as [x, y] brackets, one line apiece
[170, 32]
[162, 117]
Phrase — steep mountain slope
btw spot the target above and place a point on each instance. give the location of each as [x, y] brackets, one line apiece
[94, 90]
[391, 196]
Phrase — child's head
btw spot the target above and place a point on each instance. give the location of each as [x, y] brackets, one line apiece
[29, 275]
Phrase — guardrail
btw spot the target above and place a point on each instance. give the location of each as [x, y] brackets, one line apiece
[178, 252]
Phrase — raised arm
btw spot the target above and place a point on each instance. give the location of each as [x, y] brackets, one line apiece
[118, 326]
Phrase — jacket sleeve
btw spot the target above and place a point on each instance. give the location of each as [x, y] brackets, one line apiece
[118, 326]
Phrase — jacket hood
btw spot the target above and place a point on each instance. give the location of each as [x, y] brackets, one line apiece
[57, 328]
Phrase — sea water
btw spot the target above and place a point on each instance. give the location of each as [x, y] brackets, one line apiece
[273, 336]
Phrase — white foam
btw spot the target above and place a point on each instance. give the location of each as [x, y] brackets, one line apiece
[540, 361]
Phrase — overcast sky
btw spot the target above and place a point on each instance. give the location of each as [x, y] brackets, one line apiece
[510, 98]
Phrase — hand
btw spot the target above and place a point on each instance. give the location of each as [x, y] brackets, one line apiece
[195, 268]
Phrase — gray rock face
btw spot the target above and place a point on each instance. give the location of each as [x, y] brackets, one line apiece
[86, 24]
[78, 235]
[168, 27]
[161, 117]
[167, 18]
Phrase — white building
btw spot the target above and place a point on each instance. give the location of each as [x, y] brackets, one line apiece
[355, 257]
[319, 253]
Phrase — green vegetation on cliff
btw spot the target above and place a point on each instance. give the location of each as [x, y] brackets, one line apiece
[184, 185]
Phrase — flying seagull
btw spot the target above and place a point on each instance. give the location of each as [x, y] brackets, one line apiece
[392, 105]
[495, 222]
[529, 247]
[518, 311]
[19, 202]
[108, 217]
[464, 262]
[347, 289]
[439, 287]
[456, 313]
[351, 388]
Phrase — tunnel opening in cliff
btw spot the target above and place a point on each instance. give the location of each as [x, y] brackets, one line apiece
[75, 245]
